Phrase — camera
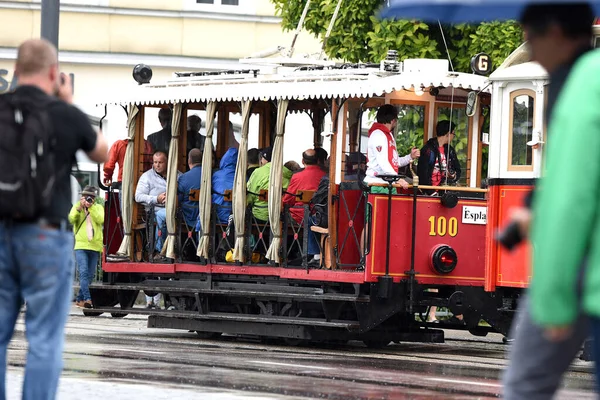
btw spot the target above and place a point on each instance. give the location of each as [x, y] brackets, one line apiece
[89, 199]
[510, 236]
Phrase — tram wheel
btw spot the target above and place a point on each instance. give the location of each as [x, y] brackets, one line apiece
[208, 335]
[90, 313]
[118, 314]
[376, 343]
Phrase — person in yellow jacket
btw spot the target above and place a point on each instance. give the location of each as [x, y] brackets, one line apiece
[87, 219]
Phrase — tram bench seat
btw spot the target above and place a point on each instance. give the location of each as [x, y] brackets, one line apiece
[324, 245]
[194, 195]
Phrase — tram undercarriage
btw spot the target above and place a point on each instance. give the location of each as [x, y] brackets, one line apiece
[300, 311]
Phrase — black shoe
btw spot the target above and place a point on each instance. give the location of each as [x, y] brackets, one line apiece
[456, 321]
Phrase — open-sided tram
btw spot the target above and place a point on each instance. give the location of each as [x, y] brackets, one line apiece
[386, 259]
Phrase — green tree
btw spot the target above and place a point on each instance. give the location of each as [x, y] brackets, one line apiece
[359, 36]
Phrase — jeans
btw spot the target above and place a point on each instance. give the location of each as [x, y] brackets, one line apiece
[313, 242]
[595, 329]
[161, 223]
[536, 365]
[87, 261]
[36, 266]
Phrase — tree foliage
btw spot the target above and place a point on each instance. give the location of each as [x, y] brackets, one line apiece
[359, 36]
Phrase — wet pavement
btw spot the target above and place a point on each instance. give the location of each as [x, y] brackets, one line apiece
[122, 358]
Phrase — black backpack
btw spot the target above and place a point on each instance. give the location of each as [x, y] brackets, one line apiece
[27, 169]
[318, 204]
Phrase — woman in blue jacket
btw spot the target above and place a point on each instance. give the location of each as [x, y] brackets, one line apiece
[222, 180]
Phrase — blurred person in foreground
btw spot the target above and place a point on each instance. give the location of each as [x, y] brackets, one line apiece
[36, 255]
[551, 326]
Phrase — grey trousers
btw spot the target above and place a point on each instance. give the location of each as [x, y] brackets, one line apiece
[537, 365]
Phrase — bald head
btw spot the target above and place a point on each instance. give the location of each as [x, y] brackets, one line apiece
[35, 57]
[309, 157]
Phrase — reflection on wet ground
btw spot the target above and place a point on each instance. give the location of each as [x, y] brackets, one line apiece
[116, 355]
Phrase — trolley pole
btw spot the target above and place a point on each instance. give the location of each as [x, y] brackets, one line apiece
[50, 16]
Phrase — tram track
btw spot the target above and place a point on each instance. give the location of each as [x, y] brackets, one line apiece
[111, 349]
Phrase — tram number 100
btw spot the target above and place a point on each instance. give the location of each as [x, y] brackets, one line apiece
[442, 226]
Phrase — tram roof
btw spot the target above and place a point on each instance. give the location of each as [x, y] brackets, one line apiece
[296, 83]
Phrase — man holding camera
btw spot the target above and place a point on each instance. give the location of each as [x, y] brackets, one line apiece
[87, 219]
[36, 254]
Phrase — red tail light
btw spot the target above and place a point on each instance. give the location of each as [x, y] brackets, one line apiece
[443, 259]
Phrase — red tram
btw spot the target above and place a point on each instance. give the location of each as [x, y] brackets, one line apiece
[379, 275]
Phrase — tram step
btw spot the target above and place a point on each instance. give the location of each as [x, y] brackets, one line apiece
[265, 291]
[274, 319]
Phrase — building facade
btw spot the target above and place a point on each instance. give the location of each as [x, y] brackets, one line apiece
[100, 41]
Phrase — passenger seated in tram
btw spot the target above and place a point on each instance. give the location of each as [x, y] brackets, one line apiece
[190, 181]
[293, 166]
[161, 140]
[382, 157]
[433, 168]
[307, 179]
[253, 162]
[222, 180]
[194, 139]
[151, 191]
[356, 165]
[260, 181]
[322, 158]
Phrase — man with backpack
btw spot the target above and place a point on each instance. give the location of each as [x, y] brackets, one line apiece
[41, 132]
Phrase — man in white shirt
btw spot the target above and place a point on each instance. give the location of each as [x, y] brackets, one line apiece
[382, 156]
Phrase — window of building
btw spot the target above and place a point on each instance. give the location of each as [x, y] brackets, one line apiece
[226, 6]
[522, 106]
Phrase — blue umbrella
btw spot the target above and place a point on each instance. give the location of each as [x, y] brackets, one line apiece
[465, 11]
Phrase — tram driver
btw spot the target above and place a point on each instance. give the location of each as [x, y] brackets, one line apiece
[382, 156]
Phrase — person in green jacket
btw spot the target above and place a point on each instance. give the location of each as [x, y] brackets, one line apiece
[259, 180]
[87, 219]
[565, 230]
[550, 325]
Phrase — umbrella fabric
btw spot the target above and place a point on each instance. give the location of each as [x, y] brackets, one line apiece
[464, 11]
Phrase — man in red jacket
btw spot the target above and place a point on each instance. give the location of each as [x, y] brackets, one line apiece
[307, 179]
[116, 156]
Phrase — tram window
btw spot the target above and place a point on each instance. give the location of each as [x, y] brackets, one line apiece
[461, 137]
[410, 130]
[597, 42]
[521, 128]
[253, 128]
[299, 136]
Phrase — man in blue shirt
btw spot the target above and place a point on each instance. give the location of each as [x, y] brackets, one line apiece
[188, 181]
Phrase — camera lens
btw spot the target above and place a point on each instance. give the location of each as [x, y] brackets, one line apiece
[89, 199]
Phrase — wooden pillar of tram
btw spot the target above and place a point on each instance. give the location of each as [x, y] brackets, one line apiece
[333, 187]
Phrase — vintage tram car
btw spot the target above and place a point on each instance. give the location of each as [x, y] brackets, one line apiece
[386, 259]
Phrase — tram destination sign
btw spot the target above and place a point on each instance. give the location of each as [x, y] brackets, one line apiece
[474, 215]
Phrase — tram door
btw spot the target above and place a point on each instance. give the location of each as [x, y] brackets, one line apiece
[516, 143]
